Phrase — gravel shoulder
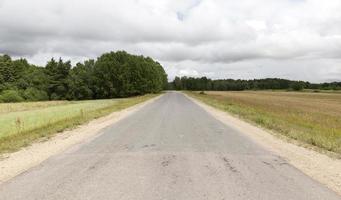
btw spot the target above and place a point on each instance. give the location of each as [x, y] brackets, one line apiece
[325, 169]
[13, 164]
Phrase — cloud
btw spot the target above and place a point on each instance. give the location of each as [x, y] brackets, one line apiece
[216, 38]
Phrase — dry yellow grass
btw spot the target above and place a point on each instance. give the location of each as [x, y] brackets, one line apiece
[313, 118]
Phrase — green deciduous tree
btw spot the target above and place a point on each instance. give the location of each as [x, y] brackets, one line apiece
[81, 81]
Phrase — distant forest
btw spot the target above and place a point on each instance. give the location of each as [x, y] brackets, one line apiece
[114, 74]
[203, 83]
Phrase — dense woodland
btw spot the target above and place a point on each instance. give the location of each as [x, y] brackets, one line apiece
[203, 83]
[114, 74]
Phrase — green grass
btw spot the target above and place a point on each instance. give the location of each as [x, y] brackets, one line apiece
[308, 117]
[23, 123]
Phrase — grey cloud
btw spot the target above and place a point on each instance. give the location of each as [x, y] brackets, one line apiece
[200, 37]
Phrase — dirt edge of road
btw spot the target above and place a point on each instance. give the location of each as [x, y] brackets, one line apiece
[15, 163]
[320, 167]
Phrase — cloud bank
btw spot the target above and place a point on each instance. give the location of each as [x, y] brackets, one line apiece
[295, 39]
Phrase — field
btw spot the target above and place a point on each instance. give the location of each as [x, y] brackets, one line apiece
[23, 123]
[312, 118]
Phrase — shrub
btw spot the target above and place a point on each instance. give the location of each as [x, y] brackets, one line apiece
[54, 96]
[297, 86]
[33, 94]
[11, 96]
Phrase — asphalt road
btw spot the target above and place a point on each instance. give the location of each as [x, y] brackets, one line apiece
[170, 149]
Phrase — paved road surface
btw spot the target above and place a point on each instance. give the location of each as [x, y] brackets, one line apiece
[170, 149]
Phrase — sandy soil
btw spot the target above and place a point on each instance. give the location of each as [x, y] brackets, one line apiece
[18, 162]
[325, 169]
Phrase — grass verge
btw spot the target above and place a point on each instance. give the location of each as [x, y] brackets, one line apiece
[24, 123]
[310, 118]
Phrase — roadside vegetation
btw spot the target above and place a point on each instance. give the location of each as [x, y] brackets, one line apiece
[112, 75]
[50, 92]
[23, 123]
[312, 118]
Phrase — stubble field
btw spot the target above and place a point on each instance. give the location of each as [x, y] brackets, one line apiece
[312, 118]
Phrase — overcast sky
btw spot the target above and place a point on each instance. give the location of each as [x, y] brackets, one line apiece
[295, 39]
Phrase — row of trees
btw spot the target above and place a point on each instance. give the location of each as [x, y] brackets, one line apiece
[203, 83]
[114, 74]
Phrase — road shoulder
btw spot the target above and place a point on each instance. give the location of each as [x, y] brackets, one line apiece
[13, 164]
[325, 169]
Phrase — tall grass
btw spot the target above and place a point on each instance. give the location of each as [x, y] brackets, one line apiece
[14, 107]
[312, 118]
[23, 123]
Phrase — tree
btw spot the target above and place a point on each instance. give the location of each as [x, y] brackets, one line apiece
[297, 86]
[58, 73]
[204, 83]
[177, 83]
[113, 74]
[119, 74]
[80, 81]
[7, 70]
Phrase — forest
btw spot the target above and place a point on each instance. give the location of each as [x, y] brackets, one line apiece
[112, 75]
[204, 83]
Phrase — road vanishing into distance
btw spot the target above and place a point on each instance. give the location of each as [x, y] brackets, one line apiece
[170, 149]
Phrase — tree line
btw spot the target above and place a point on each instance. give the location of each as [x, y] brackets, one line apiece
[113, 74]
[204, 83]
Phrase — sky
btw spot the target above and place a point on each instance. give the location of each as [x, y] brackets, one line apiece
[244, 39]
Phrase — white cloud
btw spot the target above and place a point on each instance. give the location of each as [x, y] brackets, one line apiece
[298, 39]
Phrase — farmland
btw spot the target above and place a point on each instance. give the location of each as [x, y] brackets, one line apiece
[311, 118]
[23, 123]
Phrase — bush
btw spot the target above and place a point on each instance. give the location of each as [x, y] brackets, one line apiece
[11, 96]
[54, 97]
[297, 86]
[33, 94]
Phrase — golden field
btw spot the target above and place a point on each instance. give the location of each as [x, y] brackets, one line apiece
[312, 118]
